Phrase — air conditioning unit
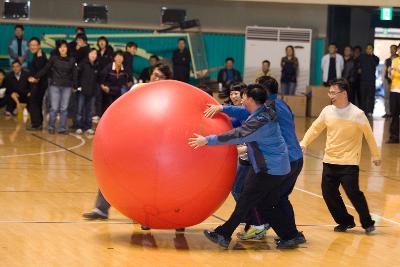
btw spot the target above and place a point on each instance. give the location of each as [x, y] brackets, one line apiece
[270, 43]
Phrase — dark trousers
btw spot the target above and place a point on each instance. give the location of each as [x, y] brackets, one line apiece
[108, 100]
[11, 105]
[102, 204]
[367, 96]
[84, 111]
[35, 105]
[352, 93]
[98, 104]
[346, 175]
[260, 190]
[395, 111]
[285, 189]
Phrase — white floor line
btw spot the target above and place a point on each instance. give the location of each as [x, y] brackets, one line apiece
[349, 206]
[83, 142]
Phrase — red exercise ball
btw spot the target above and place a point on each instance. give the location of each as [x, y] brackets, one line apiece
[144, 165]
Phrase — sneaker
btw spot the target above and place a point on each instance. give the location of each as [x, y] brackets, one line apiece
[79, 131]
[286, 244]
[392, 141]
[65, 132]
[369, 229]
[299, 239]
[95, 119]
[89, 132]
[94, 216]
[34, 129]
[7, 114]
[52, 131]
[145, 228]
[180, 230]
[252, 234]
[343, 227]
[217, 238]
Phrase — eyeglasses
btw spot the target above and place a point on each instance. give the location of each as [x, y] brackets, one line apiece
[334, 94]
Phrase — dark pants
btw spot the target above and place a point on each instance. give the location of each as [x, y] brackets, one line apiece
[284, 204]
[83, 118]
[368, 96]
[395, 111]
[102, 204]
[98, 104]
[11, 105]
[346, 175]
[108, 100]
[260, 190]
[35, 105]
[241, 174]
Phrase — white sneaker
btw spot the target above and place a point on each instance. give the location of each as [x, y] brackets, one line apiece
[95, 119]
[79, 131]
[90, 132]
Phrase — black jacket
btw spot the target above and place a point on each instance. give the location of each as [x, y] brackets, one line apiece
[63, 71]
[79, 54]
[20, 86]
[181, 65]
[105, 58]
[114, 80]
[368, 65]
[128, 63]
[290, 68]
[349, 70]
[37, 64]
[223, 77]
[88, 77]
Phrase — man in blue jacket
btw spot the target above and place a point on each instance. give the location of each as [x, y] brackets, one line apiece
[18, 47]
[286, 122]
[269, 157]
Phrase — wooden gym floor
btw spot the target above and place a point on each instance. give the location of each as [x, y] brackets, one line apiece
[47, 182]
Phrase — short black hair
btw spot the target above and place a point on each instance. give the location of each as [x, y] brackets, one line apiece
[342, 83]
[266, 61]
[3, 72]
[229, 59]
[182, 39]
[393, 45]
[257, 92]
[332, 43]
[370, 44]
[118, 53]
[19, 26]
[15, 62]
[81, 36]
[80, 29]
[60, 43]
[131, 44]
[155, 57]
[92, 49]
[165, 69]
[349, 46]
[269, 83]
[357, 47]
[34, 39]
[237, 86]
[102, 38]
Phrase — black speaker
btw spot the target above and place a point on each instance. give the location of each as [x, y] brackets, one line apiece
[172, 16]
[16, 10]
[95, 13]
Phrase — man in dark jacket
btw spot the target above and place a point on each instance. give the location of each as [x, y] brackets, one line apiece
[181, 62]
[368, 63]
[146, 72]
[17, 87]
[228, 75]
[38, 90]
[349, 71]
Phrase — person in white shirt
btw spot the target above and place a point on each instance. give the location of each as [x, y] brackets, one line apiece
[332, 65]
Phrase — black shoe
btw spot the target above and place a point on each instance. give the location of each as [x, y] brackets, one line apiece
[286, 244]
[299, 239]
[217, 238]
[65, 132]
[34, 129]
[343, 227]
[145, 228]
[392, 141]
[386, 116]
[180, 230]
[369, 229]
[94, 216]
[52, 131]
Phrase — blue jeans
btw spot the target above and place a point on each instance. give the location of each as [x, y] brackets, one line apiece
[84, 112]
[124, 89]
[59, 98]
[241, 173]
[288, 88]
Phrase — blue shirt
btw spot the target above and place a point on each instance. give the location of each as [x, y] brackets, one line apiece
[266, 147]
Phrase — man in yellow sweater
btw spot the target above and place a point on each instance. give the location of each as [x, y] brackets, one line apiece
[346, 125]
[395, 101]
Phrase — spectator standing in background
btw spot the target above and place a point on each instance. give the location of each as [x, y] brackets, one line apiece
[387, 81]
[332, 65]
[18, 47]
[290, 68]
[181, 62]
[349, 71]
[368, 63]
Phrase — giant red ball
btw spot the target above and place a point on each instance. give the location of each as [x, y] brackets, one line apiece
[144, 165]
